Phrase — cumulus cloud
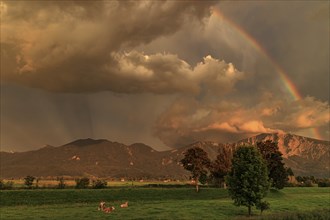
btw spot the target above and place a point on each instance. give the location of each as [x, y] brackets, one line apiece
[191, 119]
[307, 113]
[254, 126]
[63, 46]
[135, 72]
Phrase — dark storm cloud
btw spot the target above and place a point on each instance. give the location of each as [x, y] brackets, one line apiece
[168, 71]
[72, 46]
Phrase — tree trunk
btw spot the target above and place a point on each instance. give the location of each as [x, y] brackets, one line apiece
[249, 207]
[197, 187]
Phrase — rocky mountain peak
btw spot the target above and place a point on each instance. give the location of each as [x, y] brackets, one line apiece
[293, 145]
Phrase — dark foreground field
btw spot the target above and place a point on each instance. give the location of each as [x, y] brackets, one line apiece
[159, 203]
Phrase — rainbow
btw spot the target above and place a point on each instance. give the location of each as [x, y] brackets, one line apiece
[287, 82]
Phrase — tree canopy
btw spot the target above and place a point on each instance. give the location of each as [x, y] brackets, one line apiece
[278, 174]
[221, 166]
[197, 162]
[82, 183]
[28, 181]
[248, 178]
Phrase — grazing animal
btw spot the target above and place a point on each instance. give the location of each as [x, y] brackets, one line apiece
[124, 205]
[108, 209]
[101, 206]
[105, 209]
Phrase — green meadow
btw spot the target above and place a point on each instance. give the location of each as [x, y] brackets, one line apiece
[159, 203]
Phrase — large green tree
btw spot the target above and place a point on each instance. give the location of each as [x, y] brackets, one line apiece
[248, 178]
[278, 174]
[197, 162]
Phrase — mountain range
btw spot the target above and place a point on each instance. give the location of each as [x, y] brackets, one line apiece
[105, 159]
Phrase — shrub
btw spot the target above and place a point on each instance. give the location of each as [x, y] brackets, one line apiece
[9, 185]
[264, 205]
[37, 182]
[28, 181]
[203, 179]
[288, 184]
[99, 184]
[61, 183]
[82, 183]
[6, 185]
[323, 183]
[307, 183]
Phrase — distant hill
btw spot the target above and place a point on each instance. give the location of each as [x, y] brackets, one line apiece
[103, 158]
[85, 157]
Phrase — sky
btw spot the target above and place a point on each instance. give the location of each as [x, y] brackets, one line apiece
[164, 73]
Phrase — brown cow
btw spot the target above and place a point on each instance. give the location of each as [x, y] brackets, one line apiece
[124, 205]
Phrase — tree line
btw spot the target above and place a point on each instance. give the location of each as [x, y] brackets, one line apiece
[31, 182]
[204, 170]
[249, 171]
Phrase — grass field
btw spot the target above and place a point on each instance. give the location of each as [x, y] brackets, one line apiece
[158, 203]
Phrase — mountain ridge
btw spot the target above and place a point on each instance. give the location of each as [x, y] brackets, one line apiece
[104, 158]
